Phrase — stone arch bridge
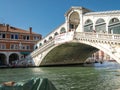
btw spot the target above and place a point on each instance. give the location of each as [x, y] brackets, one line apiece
[77, 49]
[83, 33]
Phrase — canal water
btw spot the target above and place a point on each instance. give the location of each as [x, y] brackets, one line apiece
[104, 76]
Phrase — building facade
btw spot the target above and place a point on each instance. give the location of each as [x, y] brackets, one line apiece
[15, 43]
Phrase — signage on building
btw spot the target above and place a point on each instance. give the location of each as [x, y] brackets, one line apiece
[64, 37]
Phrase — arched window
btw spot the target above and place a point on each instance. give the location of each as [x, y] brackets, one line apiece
[56, 33]
[100, 26]
[113, 21]
[35, 47]
[45, 41]
[114, 26]
[62, 30]
[13, 57]
[50, 38]
[88, 26]
[40, 44]
[74, 21]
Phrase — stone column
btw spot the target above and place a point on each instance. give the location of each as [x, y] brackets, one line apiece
[7, 58]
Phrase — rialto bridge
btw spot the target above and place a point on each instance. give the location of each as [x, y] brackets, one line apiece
[83, 33]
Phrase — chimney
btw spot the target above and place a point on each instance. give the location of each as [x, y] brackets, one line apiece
[7, 27]
[30, 29]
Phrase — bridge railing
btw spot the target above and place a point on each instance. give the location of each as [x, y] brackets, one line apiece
[97, 36]
[79, 35]
[43, 48]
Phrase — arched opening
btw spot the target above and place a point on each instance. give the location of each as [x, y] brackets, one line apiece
[50, 38]
[62, 30]
[3, 59]
[35, 47]
[114, 26]
[88, 26]
[40, 44]
[100, 26]
[68, 53]
[74, 21]
[56, 33]
[13, 57]
[45, 41]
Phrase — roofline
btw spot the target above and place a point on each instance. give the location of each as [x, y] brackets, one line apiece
[104, 12]
[12, 27]
[76, 7]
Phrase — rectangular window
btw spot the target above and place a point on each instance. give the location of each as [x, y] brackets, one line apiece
[36, 38]
[11, 46]
[26, 37]
[14, 36]
[3, 36]
[2, 46]
[27, 47]
[0, 35]
[14, 46]
[23, 47]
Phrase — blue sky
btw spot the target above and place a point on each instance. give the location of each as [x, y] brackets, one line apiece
[46, 15]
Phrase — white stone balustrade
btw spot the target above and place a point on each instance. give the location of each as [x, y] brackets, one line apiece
[98, 36]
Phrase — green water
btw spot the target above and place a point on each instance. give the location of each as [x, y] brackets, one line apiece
[101, 77]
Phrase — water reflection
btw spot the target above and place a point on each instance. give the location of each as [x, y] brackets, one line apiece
[104, 77]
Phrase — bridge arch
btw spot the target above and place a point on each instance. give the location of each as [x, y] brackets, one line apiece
[114, 26]
[100, 25]
[50, 37]
[3, 59]
[88, 26]
[74, 21]
[62, 30]
[45, 41]
[68, 53]
[40, 44]
[13, 57]
[56, 33]
[108, 48]
[36, 47]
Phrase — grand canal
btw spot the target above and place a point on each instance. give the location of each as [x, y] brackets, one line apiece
[100, 77]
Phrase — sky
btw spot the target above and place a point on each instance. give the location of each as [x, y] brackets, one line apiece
[46, 15]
